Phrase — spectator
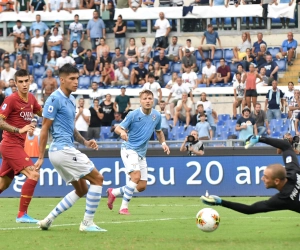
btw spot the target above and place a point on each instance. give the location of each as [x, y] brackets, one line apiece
[188, 60]
[250, 82]
[54, 5]
[31, 146]
[219, 3]
[148, 3]
[6, 74]
[77, 52]
[24, 6]
[144, 51]
[206, 103]
[155, 88]
[253, 18]
[123, 102]
[49, 85]
[41, 26]
[95, 93]
[203, 128]
[261, 120]
[150, 71]
[6, 59]
[195, 148]
[138, 74]
[289, 97]
[107, 74]
[120, 33]
[271, 69]
[11, 87]
[285, 21]
[264, 79]
[190, 78]
[33, 88]
[256, 45]
[165, 117]
[240, 51]
[261, 55]
[158, 74]
[101, 48]
[118, 57]
[171, 83]
[114, 123]
[121, 75]
[288, 48]
[37, 48]
[64, 59]
[162, 27]
[134, 5]
[7, 6]
[183, 111]
[86, 4]
[223, 73]
[121, 4]
[60, 29]
[295, 109]
[208, 73]
[18, 29]
[50, 62]
[38, 5]
[82, 119]
[89, 64]
[95, 29]
[96, 115]
[20, 62]
[240, 69]
[104, 59]
[75, 31]
[211, 41]
[107, 107]
[131, 52]
[187, 46]
[68, 5]
[22, 45]
[246, 125]
[239, 94]
[162, 59]
[174, 50]
[265, 4]
[55, 42]
[272, 103]
[247, 60]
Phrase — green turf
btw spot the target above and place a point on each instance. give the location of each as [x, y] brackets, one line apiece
[155, 223]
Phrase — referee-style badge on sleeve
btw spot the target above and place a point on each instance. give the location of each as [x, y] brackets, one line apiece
[50, 109]
[4, 106]
[288, 159]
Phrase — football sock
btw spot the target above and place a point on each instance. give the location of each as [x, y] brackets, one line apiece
[118, 191]
[276, 143]
[128, 192]
[26, 196]
[136, 191]
[67, 202]
[93, 198]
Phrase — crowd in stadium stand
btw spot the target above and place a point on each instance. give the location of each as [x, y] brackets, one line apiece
[163, 64]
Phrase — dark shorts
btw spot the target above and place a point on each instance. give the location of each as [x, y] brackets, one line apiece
[251, 93]
[14, 160]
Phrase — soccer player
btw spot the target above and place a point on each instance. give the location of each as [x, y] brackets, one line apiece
[285, 180]
[136, 130]
[72, 165]
[16, 114]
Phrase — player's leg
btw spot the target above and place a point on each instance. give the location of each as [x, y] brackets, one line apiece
[6, 175]
[5, 182]
[276, 143]
[144, 176]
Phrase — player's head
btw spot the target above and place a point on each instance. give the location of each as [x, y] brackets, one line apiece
[274, 176]
[68, 75]
[22, 81]
[146, 99]
[288, 137]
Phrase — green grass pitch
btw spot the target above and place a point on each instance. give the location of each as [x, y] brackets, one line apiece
[155, 223]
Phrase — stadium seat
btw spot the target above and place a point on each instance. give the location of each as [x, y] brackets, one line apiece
[281, 64]
[218, 54]
[228, 54]
[230, 123]
[221, 129]
[198, 56]
[233, 67]
[224, 117]
[276, 135]
[276, 123]
[95, 79]
[199, 65]
[283, 115]
[274, 51]
[167, 78]
[84, 82]
[12, 57]
[220, 123]
[57, 80]
[44, 59]
[30, 67]
[112, 54]
[176, 67]
[39, 82]
[38, 72]
[132, 65]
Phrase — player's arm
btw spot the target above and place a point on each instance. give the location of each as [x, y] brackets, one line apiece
[47, 123]
[78, 137]
[161, 138]
[121, 131]
[5, 126]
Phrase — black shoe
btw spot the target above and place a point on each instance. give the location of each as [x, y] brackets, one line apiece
[234, 118]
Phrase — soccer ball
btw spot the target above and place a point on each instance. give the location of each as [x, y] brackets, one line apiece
[207, 220]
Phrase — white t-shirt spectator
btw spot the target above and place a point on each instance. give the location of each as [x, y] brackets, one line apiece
[55, 38]
[191, 49]
[240, 89]
[289, 96]
[153, 88]
[20, 30]
[209, 71]
[189, 103]
[190, 79]
[120, 75]
[6, 76]
[33, 88]
[61, 61]
[144, 49]
[81, 124]
[37, 41]
[178, 90]
[244, 46]
[95, 95]
[163, 25]
[60, 31]
[54, 4]
[72, 4]
[206, 105]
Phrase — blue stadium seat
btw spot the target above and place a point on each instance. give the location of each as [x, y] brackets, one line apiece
[281, 64]
[112, 54]
[283, 115]
[224, 117]
[176, 67]
[220, 123]
[95, 79]
[232, 66]
[94, 54]
[30, 67]
[199, 65]
[84, 82]
[39, 82]
[12, 57]
[230, 123]
[276, 123]
[44, 59]
[132, 65]
[274, 51]
[146, 65]
[276, 134]
[221, 129]
[198, 56]
[167, 78]
[38, 72]
[219, 53]
[228, 54]
[57, 80]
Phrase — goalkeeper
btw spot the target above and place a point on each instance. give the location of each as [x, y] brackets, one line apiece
[285, 179]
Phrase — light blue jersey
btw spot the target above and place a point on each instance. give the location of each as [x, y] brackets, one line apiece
[140, 128]
[61, 109]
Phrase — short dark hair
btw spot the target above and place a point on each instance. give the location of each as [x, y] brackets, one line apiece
[209, 25]
[238, 73]
[95, 100]
[67, 69]
[222, 59]
[76, 15]
[11, 79]
[55, 28]
[21, 73]
[188, 40]
[240, 65]
[117, 48]
[88, 50]
[207, 59]
[6, 62]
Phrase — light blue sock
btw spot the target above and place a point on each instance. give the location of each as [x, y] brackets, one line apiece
[128, 192]
[93, 198]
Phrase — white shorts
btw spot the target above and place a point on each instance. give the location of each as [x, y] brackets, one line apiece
[133, 162]
[71, 164]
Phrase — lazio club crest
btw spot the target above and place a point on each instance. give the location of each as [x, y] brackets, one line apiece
[153, 117]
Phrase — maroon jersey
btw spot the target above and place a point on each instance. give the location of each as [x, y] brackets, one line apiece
[18, 113]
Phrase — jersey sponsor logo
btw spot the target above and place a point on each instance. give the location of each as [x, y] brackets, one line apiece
[296, 188]
[26, 159]
[27, 116]
[288, 159]
[4, 106]
[50, 109]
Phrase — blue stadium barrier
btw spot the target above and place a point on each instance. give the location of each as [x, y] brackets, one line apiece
[167, 78]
